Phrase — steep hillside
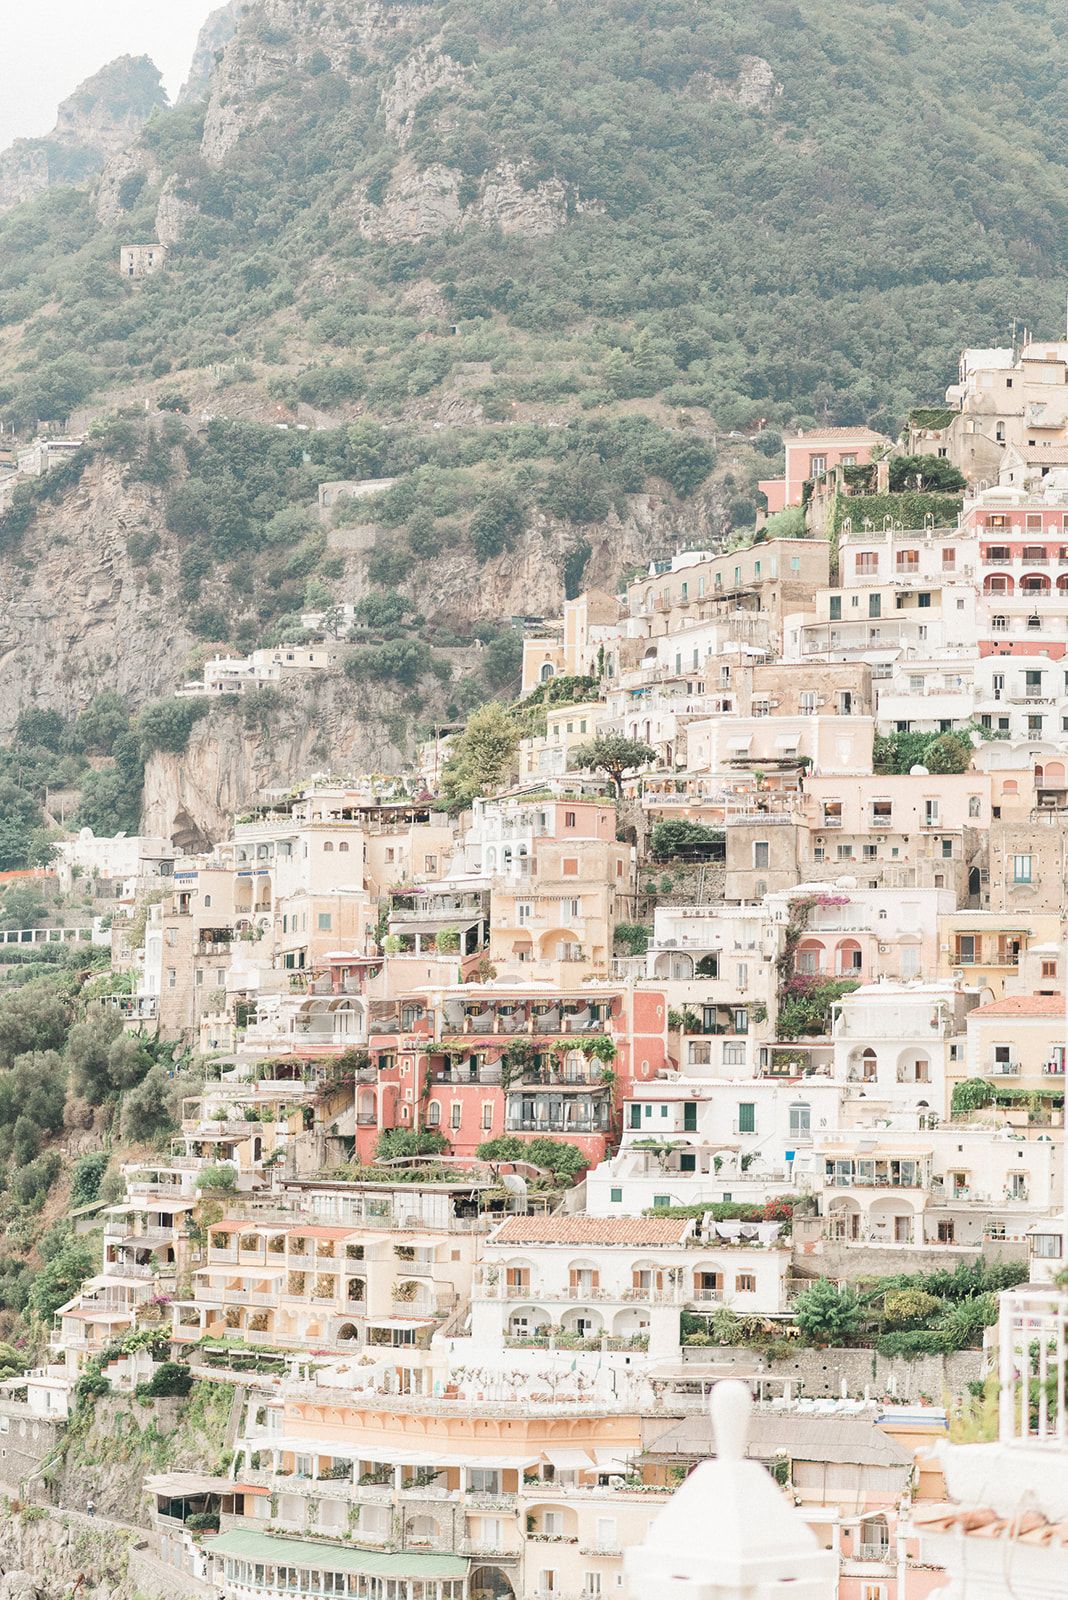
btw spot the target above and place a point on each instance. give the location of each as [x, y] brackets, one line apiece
[99, 119]
[796, 208]
[559, 274]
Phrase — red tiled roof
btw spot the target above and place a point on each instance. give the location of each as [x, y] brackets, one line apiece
[593, 1230]
[834, 433]
[1023, 1005]
[981, 1522]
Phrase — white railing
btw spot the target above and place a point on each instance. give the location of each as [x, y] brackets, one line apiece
[1032, 1362]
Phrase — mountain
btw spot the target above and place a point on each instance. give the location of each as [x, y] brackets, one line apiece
[559, 273]
[101, 117]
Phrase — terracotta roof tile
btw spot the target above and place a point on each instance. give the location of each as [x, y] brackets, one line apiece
[834, 433]
[593, 1230]
[1023, 1005]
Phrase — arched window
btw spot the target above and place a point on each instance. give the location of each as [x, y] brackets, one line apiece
[328, 844]
[344, 845]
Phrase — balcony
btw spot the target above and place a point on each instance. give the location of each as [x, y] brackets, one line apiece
[1005, 1069]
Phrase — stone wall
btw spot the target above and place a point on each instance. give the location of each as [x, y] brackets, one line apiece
[820, 1374]
[26, 1441]
[818, 1257]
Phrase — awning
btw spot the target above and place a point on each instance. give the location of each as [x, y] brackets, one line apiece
[401, 1322]
[569, 1460]
[177, 1485]
[235, 1269]
[739, 744]
[788, 741]
[307, 1553]
[613, 1458]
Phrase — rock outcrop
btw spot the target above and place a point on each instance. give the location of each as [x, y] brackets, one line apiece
[214, 36]
[100, 120]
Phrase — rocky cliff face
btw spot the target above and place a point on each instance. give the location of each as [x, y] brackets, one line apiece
[98, 121]
[315, 727]
[77, 612]
[214, 36]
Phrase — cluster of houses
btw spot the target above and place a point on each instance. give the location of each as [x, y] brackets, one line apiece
[817, 1032]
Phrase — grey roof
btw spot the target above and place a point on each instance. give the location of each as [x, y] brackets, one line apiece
[803, 1437]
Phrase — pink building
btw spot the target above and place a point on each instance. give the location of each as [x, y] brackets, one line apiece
[813, 455]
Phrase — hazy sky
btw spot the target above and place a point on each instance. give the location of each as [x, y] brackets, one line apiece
[47, 48]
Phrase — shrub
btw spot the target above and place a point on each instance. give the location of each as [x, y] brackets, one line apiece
[221, 1180]
[827, 1314]
[171, 1378]
[632, 937]
[85, 1183]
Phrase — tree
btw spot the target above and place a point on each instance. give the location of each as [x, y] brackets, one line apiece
[146, 1109]
[924, 472]
[614, 755]
[827, 1314]
[402, 660]
[44, 729]
[88, 1171]
[563, 1160]
[33, 1018]
[60, 1280]
[497, 522]
[87, 1055]
[101, 723]
[950, 752]
[23, 907]
[482, 758]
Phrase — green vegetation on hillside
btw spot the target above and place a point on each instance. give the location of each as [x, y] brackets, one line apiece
[794, 209]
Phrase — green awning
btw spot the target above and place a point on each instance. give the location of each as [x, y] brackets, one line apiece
[251, 1546]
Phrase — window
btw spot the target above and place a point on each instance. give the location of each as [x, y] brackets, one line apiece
[809, 703]
[835, 604]
[487, 1115]
[875, 605]
[635, 1113]
[734, 1055]
[455, 1113]
[867, 564]
[326, 921]
[569, 816]
[569, 867]
[524, 910]
[616, 1196]
[591, 1585]
[931, 813]
[761, 853]
[1049, 969]
[817, 466]
[1021, 869]
[661, 1202]
[800, 1120]
[745, 1283]
[1046, 1245]
[433, 1114]
[607, 1535]
[747, 1117]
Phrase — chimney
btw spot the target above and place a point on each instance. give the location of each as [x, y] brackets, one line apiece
[882, 476]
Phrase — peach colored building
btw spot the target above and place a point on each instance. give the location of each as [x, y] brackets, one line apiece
[811, 456]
